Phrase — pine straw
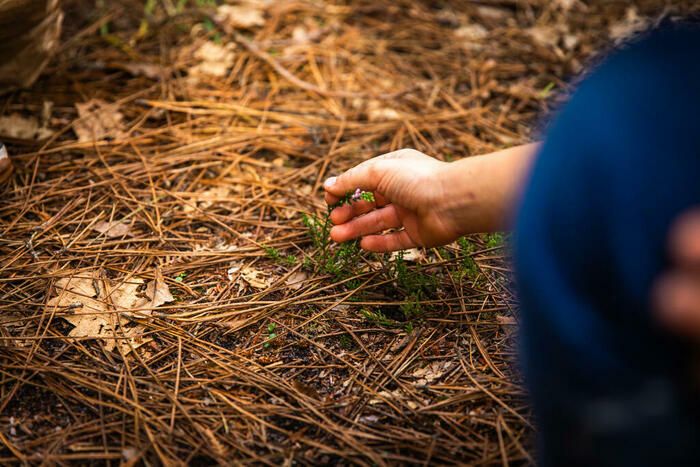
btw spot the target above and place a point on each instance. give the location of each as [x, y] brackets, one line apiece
[333, 386]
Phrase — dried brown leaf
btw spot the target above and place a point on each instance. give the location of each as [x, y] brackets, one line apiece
[255, 278]
[17, 126]
[296, 280]
[98, 120]
[246, 16]
[113, 229]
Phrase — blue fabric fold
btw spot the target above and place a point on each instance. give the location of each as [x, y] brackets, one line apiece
[619, 163]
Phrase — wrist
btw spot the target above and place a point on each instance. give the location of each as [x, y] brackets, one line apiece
[465, 202]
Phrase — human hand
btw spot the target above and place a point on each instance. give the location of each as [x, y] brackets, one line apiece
[676, 294]
[409, 194]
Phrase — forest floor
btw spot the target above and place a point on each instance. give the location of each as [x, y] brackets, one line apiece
[168, 293]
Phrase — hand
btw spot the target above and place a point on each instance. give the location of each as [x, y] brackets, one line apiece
[434, 202]
[409, 192]
[676, 294]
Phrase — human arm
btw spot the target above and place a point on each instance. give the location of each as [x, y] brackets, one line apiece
[433, 202]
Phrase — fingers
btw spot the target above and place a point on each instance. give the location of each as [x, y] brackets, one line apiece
[684, 240]
[368, 175]
[386, 243]
[676, 295]
[342, 214]
[374, 222]
[677, 298]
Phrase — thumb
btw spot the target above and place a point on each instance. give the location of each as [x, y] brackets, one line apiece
[366, 176]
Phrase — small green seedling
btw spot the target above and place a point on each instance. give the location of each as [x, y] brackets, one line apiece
[271, 334]
[180, 277]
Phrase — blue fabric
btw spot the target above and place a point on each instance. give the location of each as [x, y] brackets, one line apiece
[619, 163]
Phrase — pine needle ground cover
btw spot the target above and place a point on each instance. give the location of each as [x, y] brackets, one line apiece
[168, 291]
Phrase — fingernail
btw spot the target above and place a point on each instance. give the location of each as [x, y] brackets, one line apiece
[330, 182]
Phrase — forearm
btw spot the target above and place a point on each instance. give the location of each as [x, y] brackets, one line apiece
[481, 192]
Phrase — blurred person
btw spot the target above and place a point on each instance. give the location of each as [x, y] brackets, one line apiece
[29, 34]
[606, 251]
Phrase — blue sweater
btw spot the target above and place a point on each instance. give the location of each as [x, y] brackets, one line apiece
[619, 163]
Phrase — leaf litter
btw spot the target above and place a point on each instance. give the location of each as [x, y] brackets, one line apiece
[214, 168]
[100, 308]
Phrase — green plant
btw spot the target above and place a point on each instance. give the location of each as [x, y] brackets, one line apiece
[377, 317]
[468, 267]
[338, 260]
[271, 335]
[180, 277]
[274, 253]
[345, 342]
[495, 240]
[411, 308]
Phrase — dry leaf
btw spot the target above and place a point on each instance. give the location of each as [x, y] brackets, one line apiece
[377, 112]
[255, 278]
[433, 371]
[507, 320]
[78, 294]
[545, 36]
[149, 70]
[207, 198]
[98, 120]
[306, 390]
[471, 32]
[296, 280]
[629, 26]
[214, 60]
[96, 308]
[133, 338]
[17, 126]
[232, 271]
[565, 5]
[246, 16]
[158, 292]
[113, 229]
[413, 255]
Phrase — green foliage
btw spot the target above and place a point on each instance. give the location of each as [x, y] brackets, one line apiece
[345, 342]
[495, 240]
[468, 267]
[271, 335]
[180, 277]
[274, 254]
[336, 261]
[377, 318]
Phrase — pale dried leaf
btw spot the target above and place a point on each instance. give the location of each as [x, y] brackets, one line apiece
[545, 36]
[565, 4]
[214, 60]
[413, 255]
[433, 371]
[631, 24]
[149, 70]
[98, 120]
[232, 272]
[247, 15]
[113, 229]
[96, 308]
[471, 32]
[132, 338]
[255, 278]
[17, 126]
[296, 280]
[506, 320]
[378, 112]
[207, 198]
[158, 292]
